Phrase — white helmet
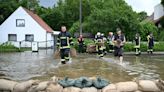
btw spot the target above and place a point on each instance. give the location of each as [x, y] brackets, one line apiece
[98, 33]
[102, 34]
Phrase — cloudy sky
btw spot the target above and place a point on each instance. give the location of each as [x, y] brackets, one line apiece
[137, 5]
[143, 5]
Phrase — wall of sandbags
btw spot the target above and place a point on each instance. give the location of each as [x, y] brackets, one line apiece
[53, 85]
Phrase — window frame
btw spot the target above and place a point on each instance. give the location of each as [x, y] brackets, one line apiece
[29, 35]
[12, 35]
[23, 21]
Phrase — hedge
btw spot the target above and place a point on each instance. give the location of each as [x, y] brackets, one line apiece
[129, 46]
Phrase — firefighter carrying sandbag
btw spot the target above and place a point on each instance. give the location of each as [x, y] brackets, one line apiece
[64, 41]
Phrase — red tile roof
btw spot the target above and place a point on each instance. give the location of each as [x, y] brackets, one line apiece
[39, 20]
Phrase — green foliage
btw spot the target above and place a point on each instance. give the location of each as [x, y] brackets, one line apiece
[97, 15]
[129, 47]
[74, 28]
[162, 2]
[161, 35]
[8, 47]
[159, 46]
[142, 16]
[147, 27]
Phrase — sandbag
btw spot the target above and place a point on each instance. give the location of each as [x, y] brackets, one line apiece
[127, 86]
[110, 88]
[147, 85]
[7, 85]
[73, 52]
[72, 89]
[83, 82]
[91, 48]
[66, 82]
[54, 79]
[100, 83]
[24, 86]
[42, 86]
[54, 88]
[90, 89]
[57, 54]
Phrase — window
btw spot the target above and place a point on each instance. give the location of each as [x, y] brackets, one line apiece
[20, 23]
[29, 37]
[12, 37]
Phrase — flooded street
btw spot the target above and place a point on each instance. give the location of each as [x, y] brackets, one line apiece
[42, 65]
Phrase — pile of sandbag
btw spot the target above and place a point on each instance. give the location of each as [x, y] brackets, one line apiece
[82, 84]
[133, 86]
[91, 48]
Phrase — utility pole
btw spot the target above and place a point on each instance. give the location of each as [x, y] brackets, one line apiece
[80, 17]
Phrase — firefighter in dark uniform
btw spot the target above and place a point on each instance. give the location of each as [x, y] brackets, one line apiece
[81, 44]
[150, 39]
[137, 43]
[64, 41]
[99, 44]
[119, 41]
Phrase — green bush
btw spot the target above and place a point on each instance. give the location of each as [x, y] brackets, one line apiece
[8, 47]
[86, 42]
[159, 46]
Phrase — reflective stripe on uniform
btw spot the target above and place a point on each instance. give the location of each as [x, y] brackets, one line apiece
[64, 47]
[67, 58]
[101, 55]
[62, 60]
[62, 38]
[137, 46]
[101, 48]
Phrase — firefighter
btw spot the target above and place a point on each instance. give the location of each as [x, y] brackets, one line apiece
[64, 41]
[119, 41]
[99, 44]
[104, 41]
[110, 41]
[81, 44]
[150, 39]
[137, 43]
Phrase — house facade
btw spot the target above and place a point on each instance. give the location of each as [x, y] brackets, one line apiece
[23, 27]
[159, 15]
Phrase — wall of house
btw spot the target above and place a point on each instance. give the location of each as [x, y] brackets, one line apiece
[31, 27]
[158, 11]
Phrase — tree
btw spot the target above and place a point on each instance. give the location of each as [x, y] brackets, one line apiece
[162, 2]
[142, 16]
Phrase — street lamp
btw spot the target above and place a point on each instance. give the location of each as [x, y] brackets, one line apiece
[80, 17]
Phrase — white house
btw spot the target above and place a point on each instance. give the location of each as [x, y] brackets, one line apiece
[23, 27]
[158, 11]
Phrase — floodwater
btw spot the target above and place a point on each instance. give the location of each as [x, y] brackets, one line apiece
[42, 65]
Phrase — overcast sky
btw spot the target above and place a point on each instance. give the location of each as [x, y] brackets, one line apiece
[137, 5]
[143, 5]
